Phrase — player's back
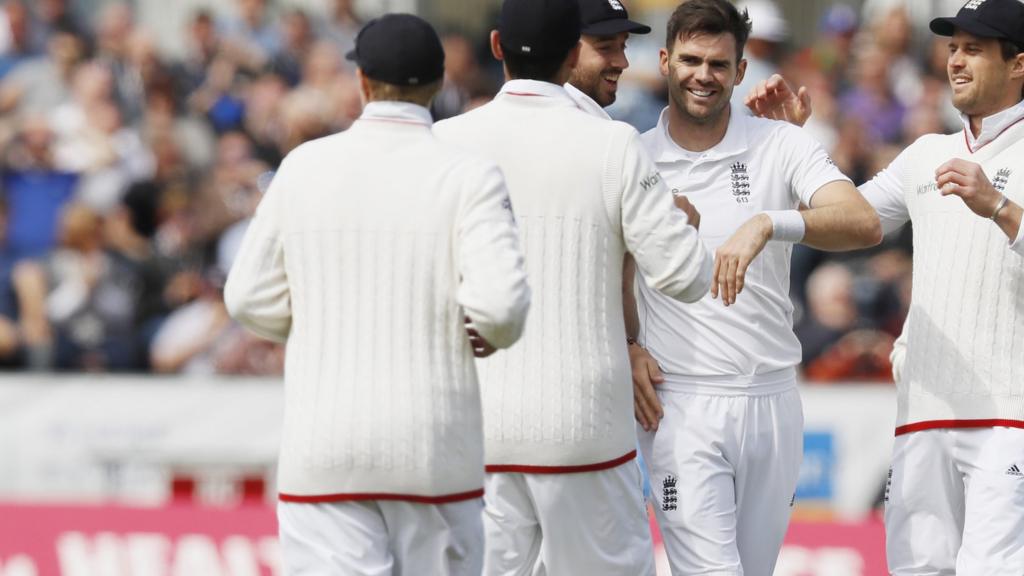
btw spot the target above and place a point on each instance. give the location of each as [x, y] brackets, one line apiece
[374, 227]
[561, 395]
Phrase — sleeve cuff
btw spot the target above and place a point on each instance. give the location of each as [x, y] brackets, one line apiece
[1018, 243]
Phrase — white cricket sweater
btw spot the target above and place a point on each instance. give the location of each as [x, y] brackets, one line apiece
[584, 192]
[960, 359]
[366, 252]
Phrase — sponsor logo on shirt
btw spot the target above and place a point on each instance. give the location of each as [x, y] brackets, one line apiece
[650, 181]
[740, 179]
[669, 495]
[1014, 470]
[926, 188]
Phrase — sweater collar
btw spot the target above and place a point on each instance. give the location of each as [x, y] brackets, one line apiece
[992, 126]
[586, 103]
[401, 112]
[536, 88]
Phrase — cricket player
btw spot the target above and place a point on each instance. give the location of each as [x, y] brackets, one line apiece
[724, 460]
[594, 81]
[563, 491]
[368, 272]
[955, 497]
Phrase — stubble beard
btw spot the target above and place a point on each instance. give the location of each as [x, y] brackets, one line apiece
[711, 116]
[591, 83]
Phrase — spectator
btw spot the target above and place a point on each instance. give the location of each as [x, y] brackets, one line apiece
[768, 31]
[296, 42]
[36, 190]
[252, 31]
[836, 344]
[92, 298]
[342, 26]
[42, 84]
[17, 44]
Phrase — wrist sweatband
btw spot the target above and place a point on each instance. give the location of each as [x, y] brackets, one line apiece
[787, 225]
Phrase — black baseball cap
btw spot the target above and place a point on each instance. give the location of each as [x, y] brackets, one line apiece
[608, 18]
[539, 28]
[1001, 19]
[399, 49]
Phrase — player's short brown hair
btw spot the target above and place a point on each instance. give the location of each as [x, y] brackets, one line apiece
[421, 95]
[713, 17]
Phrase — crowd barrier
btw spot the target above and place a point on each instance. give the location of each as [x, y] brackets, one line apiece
[150, 476]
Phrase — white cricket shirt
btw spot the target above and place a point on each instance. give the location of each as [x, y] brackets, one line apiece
[759, 165]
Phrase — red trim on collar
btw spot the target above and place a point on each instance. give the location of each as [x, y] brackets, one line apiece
[394, 121]
[523, 94]
[968, 142]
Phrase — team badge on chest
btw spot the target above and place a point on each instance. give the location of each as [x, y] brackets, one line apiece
[999, 182]
[740, 181]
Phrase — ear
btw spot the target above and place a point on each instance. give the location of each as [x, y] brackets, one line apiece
[1017, 67]
[741, 70]
[663, 62]
[574, 55]
[364, 86]
[496, 50]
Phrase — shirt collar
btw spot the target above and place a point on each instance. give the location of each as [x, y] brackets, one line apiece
[992, 126]
[586, 103]
[535, 88]
[733, 143]
[401, 112]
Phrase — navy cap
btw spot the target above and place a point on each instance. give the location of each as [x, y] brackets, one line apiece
[539, 28]
[608, 18]
[399, 49]
[1000, 19]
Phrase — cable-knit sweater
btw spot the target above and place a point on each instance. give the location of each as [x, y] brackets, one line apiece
[584, 192]
[960, 359]
[366, 252]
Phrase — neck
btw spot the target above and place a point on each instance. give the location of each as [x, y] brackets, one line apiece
[976, 119]
[697, 136]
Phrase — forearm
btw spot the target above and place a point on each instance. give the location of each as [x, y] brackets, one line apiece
[842, 226]
[629, 313]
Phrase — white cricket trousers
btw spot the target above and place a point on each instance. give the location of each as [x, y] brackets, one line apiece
[723, 472]
[381, 538]
[955, 503]
[579, 524]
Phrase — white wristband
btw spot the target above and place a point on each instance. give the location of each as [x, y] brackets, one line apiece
[787, 225]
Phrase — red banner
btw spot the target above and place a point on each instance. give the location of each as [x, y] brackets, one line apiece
[189, 540]
[180, 540]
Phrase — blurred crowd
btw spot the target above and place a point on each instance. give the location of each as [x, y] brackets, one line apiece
[128, 176]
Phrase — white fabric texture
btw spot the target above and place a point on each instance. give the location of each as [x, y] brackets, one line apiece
[584, 193]
[954, 503]
[381, 538]
[723, 473]
[368, 270]
[521, 508]
[961, 354]
[586, 103]
[759, 165]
